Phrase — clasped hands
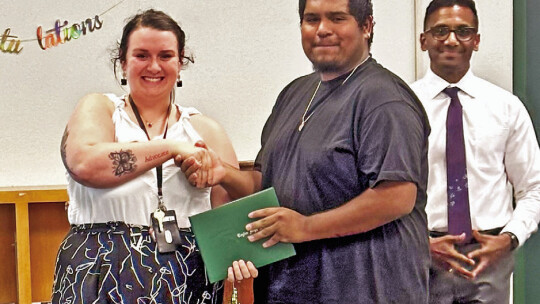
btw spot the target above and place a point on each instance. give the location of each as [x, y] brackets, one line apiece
[202, 167]
[278, 224]
[470, 265]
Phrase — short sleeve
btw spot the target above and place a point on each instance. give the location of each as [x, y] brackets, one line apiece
[393, 144]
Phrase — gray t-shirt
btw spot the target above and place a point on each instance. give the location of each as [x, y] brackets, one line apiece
[370, 129]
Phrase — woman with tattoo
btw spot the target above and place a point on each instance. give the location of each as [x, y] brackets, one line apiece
[130, 240]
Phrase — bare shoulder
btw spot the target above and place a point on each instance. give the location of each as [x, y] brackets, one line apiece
[215, 137]
[91, 120]
[203, 124]
[209, 129]
[92, 109]
[95, 101]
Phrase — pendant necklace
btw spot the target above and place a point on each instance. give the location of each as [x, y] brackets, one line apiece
[149, 124]
[304, 119]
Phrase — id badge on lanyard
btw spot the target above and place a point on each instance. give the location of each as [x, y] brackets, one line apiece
[163, 221]
[165, 228]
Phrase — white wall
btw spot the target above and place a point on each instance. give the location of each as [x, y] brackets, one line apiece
[246, 51]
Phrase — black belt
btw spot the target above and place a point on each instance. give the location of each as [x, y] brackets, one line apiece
[494, 231]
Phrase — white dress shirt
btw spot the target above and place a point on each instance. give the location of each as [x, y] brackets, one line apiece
[503, 157]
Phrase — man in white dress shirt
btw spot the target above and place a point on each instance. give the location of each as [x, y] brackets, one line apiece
[502, 163]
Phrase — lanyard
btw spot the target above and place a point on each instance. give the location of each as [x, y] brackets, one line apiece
[159, 169]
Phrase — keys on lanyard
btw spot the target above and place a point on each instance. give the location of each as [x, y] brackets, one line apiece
[163, 221]
[234, 297]
[159, 215]
[165, 228]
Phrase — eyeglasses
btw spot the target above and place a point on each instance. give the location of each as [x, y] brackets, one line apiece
[463, 34]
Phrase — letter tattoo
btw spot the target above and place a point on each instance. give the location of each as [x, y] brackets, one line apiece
[123, 162]
[155, 156]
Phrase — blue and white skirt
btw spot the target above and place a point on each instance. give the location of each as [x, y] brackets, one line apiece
[119, 263]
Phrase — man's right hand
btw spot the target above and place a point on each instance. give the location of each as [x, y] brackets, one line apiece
[205, 173]
[444, 253]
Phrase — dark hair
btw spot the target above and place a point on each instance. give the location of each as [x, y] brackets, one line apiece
[152, 19]
[360, 9]
[437, 4]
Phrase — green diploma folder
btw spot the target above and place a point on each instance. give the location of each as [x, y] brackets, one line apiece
[222, 237]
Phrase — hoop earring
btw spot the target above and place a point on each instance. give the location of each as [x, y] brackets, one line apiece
[123, 81]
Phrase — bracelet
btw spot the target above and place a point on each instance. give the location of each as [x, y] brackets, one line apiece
[514, 242]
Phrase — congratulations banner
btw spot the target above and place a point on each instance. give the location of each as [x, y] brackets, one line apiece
[58, 34]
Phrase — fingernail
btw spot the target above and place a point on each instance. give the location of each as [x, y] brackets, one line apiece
[248, 227]
[250, 238]
[250, 214]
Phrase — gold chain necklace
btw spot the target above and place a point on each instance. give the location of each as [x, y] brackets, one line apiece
[149, 124]
[304, 119]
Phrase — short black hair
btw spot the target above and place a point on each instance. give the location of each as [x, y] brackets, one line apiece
[360, 9]
[437, 4]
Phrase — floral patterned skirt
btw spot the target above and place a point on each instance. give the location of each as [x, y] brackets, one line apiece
[119, 263]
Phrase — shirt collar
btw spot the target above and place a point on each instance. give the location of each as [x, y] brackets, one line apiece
[437, 84]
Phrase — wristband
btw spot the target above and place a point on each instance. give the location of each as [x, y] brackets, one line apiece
[514, 242]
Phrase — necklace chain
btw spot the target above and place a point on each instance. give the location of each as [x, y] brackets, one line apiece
[304, 119]
[149, 124]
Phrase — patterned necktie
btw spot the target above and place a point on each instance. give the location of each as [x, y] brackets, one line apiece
[459, 218]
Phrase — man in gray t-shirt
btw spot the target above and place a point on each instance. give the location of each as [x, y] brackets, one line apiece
[346, 150]
[364, 135]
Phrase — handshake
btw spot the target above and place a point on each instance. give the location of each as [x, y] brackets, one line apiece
[201, 166]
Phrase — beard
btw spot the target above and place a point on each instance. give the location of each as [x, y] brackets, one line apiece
[326, 67]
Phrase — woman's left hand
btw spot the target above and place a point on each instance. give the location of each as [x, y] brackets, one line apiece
[241, 270]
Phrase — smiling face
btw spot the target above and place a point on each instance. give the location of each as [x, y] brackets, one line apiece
[332, 39]
[152, 63]
[450, 59]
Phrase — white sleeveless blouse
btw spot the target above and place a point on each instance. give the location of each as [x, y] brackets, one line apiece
[132, 202]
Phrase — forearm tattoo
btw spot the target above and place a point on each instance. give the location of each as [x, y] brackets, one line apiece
[123, 162]
[155, 156]
[63, 146]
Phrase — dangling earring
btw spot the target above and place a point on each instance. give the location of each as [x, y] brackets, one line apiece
[123, 81]
[178, 82]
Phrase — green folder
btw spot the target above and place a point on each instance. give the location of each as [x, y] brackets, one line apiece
[222, 237]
